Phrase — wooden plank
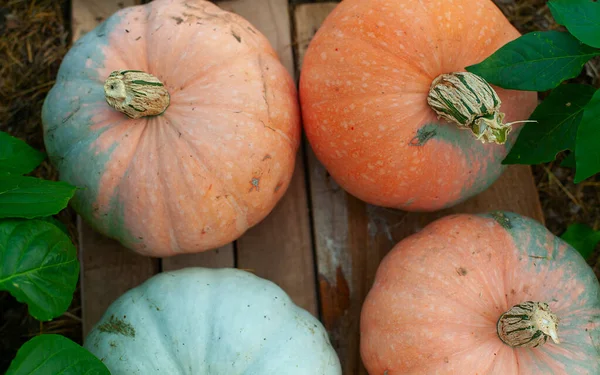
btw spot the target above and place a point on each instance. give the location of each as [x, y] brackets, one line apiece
[218, 258]
[107, 268]
[87, 14]
[107, 271]
[280, 247]
[352, 237]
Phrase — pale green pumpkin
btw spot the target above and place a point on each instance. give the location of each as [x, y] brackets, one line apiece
[200, 321]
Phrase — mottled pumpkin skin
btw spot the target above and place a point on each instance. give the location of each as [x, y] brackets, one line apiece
[201, 321]
[199, 175]
[438, 294]
[363, 93]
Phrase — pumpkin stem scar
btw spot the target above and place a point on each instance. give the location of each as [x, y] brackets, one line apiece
[501, 219]
[528, 325]
[117, 326]
[423, 135]
[136, 93]
[470, 102]
[255, 181]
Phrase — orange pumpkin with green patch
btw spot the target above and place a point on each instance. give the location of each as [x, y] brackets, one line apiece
[389, 110]
[482, 294]
[178, 123]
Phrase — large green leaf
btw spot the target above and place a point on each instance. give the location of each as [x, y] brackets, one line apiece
[38, 266]
[30, 197]
[16, 156]
[580, 17]
[587, 149]
[556, 128]
[583, 238]
[569, 161]
[536, 61]
[53, 355]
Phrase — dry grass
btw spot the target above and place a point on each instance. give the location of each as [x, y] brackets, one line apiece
[33, 40]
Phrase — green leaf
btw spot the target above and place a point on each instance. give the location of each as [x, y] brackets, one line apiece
[587, 150]
[58, 223]
[30, 197]
[536, 61]
[569, 161]
[38, 266]
[580, 17]
[55, 354]
[556, 128]
[583, 238]
[16, 156]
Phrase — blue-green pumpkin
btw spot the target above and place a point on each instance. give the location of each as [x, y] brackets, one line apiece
[200, 321]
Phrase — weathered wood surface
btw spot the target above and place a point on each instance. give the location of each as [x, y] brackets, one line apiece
[352, 237]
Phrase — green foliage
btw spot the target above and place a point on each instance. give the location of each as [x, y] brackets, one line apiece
[23, 196]
[556, 128]
[536, 61]
[30, 197]
[587, 150]
[55, 354]
[583, 238]
[569, 118]
[38, 262]
[580, 17]
[16, 157]
[38, 266]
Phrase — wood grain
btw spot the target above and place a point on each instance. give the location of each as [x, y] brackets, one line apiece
[222, 257]
[280, 247]
[352, 237]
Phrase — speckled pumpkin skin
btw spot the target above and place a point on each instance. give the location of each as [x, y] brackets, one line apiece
[363, 93]
[199, 175]
[201, 321]
[438, 294]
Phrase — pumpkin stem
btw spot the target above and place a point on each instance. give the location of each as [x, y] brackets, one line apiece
[469, 101]
[528, 324]
[136, 93]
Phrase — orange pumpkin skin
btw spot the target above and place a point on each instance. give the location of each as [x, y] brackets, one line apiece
[438, 295]
[363, 94]
[212, 165]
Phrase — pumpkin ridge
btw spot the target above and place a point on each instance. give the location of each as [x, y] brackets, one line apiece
[419, 71]
[351, 97]
[113, 218]
[433, 25]
[151, 320]
[165, 127]
[200, 162]
[215, 69]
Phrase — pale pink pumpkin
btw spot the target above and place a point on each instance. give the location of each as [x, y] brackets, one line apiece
[438, 295]
[212, 165]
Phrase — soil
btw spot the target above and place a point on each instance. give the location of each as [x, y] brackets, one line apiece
[34, 36]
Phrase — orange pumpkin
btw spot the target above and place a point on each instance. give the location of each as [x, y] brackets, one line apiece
[179, 124]
[364, 92]
[482, 294]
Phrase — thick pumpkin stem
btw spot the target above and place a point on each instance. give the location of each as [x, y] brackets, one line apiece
[136, 93]
[469, 101]
[528, 325]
